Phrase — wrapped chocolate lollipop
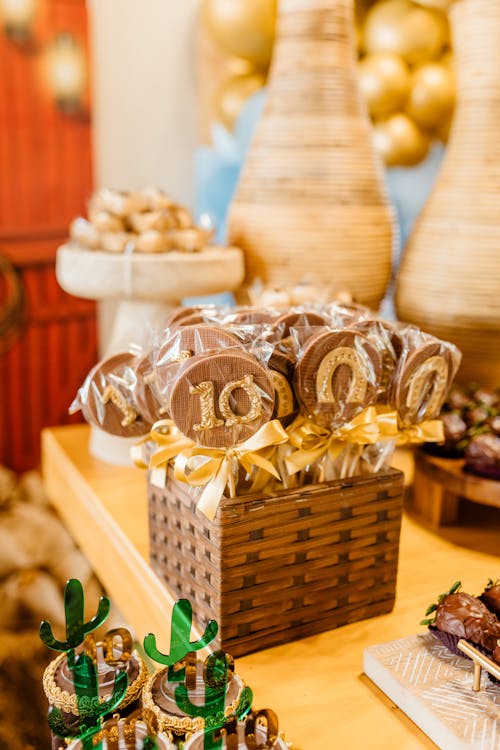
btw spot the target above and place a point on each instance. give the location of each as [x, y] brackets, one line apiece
[424, 374]
[108, 397]
[337, 379]
[182, 344]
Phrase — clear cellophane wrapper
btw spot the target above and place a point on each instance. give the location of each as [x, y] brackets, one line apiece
[318, 391]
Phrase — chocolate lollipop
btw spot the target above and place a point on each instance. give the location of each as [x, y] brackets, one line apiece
[281, 370]
[300, 319]
[421, 382]
[186, 342]
[245, 316]
[107, 397]
[146, 396]
[337, 375]
[222, 399]
[390, 345]
[179, 313]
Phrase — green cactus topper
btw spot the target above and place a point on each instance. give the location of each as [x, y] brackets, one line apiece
[91, 708]
[217, 676]
[180, 645]
[76, 627]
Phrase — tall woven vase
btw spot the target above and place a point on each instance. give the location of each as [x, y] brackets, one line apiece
[311, 197]
[449, 281]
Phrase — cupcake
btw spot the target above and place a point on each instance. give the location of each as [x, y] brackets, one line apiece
[197, 741]
[120, 734]
[159, 696]
[59, 687]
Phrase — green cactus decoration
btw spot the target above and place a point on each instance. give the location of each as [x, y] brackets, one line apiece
[213, 710]
[87, 739]
[180, 645]
[90, 708]
[76, 627]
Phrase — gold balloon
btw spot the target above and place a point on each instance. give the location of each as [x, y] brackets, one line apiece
[399, 141]
[432, 95]
[384, 80]
[417, 34]
[233, 94]
[244, 28]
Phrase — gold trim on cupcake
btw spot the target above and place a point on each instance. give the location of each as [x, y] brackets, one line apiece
[185, 725]
[67, 702]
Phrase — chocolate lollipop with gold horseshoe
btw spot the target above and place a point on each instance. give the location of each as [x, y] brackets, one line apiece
[421, 383]
[221, 399]
[107, 397]
[336, 376]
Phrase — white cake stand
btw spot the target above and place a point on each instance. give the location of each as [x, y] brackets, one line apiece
[145, 287]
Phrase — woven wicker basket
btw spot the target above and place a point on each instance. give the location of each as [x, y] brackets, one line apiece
[449, 282]
[273, 569]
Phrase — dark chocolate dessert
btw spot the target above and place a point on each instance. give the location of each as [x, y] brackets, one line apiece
[459, 615]
[482, 456]
[491, 597]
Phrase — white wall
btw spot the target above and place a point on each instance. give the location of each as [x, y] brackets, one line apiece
[144, 99]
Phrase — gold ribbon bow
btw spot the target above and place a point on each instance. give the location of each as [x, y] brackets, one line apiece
[312, 441]
[170, 441]
[431, 431]
[216, 471]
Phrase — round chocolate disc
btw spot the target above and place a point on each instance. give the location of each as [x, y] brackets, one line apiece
[179, 313]
[184, 343]
[300, 319]
[146, 397]
[285, 404]
[421, 383]
[193, 319]
[245, 316]
[389, 343]
[337, 375]
[222, 399]
[107, 397]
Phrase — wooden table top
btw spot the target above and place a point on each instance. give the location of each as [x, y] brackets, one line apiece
[315, 685]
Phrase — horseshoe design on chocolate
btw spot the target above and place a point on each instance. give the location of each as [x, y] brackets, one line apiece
[342, 356]
[337, 375]
[284, 395]
[433, 374]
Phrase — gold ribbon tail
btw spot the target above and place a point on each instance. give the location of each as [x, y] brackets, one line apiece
[431, 431]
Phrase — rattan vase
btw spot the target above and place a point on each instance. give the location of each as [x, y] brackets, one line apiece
[449, 282]
[311, 196]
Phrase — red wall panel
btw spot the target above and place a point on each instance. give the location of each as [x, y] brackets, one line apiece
[45, 180]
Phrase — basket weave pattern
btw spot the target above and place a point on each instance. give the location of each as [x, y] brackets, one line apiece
[311, 195]
[449, 282]
[271, 569]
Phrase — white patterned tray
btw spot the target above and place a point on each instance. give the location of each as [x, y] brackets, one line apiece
[434, 688]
